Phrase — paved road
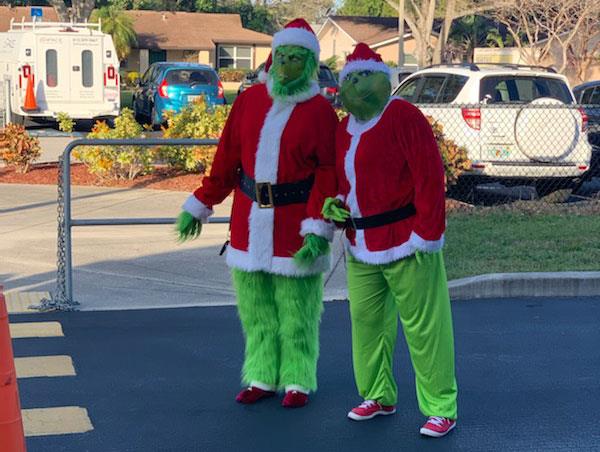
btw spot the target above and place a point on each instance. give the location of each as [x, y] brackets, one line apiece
[164, 380]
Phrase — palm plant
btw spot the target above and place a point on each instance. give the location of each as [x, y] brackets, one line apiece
[119, 26]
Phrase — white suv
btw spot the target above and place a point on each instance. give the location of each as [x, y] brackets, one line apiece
[515, 121]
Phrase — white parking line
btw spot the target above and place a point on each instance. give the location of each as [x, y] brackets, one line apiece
[35, 329]
[44, 366]
[56, 421]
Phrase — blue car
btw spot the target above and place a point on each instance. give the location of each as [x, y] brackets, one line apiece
[171, 86]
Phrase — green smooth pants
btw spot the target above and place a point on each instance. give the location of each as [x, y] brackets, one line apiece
[280, 318]
[416, 288]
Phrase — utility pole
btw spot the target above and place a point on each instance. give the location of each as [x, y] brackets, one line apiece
[401, 57]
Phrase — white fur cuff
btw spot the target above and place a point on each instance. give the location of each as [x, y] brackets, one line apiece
[197, 208]
[297, 37]
[427, 246]
[319, 227]
[364, 65]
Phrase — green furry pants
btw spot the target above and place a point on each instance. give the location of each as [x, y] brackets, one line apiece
[280, 318]
[415, 288]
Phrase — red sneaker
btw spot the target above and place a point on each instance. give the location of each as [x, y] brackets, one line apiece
[253, 394]
[369, 409]
[437, 426]
[294, 399]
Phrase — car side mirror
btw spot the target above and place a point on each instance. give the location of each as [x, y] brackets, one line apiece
[486, 99]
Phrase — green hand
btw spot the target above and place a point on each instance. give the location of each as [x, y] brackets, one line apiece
[314, 247]
[333, 210]
[187, 227]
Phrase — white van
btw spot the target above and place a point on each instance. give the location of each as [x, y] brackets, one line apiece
[73, 68]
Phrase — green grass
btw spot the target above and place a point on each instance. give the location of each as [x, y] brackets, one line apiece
[230, 96]
[126, 99]
[500, 241]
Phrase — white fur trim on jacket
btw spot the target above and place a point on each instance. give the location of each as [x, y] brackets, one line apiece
[297, 37]
[285, 266]
[364, 65]
[316, 226]
[197, 208]
[261, 222]
[311, 92]
[427, 246]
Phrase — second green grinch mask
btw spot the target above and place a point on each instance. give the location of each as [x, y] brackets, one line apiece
[365, 93]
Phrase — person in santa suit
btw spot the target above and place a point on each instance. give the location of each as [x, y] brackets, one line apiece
[277, 154]
[391, 202]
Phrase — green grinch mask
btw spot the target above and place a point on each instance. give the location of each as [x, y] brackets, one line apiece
[365, 93]
[292, 71]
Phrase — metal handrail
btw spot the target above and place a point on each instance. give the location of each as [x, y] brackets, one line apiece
[63, 299]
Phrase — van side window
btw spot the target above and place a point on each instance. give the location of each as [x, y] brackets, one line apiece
[407, 90]
[430, 90]
[87, 69]
[51, 68]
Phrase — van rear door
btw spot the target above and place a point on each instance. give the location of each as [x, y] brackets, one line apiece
[86, 69]
[52, 72]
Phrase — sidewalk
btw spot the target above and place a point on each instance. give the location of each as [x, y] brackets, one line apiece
[118, 267]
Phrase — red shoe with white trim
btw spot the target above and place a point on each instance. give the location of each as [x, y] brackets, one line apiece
[252, 394]
[369, 409]
[437, 426]
[294, 399]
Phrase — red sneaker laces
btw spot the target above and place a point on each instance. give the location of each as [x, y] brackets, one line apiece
[368, 404]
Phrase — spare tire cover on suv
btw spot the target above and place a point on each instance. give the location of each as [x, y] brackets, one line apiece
[547, 134]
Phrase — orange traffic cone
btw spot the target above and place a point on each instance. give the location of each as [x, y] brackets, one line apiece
[30, 103]
[12, 438]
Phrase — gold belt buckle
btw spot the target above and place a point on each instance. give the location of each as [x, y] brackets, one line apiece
[261, 204]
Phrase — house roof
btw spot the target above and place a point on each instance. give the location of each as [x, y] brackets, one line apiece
[194, 31]
[167, 30]
[368, 29]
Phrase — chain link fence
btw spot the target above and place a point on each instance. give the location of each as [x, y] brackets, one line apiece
[536, 155]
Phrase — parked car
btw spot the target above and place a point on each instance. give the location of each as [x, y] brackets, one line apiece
[588, 95]
[69, 68]
[327, 82]
[515, 122]
[398, 74]
[171, 86]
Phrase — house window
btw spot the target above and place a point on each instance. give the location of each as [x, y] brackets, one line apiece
[238, 57]
[51, 68]
[87, 69]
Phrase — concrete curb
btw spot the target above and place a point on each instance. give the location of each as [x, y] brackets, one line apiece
[534, 284]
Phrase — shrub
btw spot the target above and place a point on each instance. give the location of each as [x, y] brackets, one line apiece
[17, 148]
[117, 162]
[232, 75]
[132, 77]
[195, 120]
[65, 123]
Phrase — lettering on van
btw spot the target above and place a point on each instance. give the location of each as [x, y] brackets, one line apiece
[86, 41]
[51, 40]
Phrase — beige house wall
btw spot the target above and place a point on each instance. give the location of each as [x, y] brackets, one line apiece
[389, 52]
[261, 53]
[334, 41]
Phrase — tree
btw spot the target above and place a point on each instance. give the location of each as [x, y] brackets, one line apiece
[377, 8]
[584, 50]
[469, 32]
[538, 27]
[421, 14]
[119, 26]
[79, 11]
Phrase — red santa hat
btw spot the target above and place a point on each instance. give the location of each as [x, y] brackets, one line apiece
[364, 59]
[297, 33]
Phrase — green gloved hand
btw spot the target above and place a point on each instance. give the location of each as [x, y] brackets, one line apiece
[333, 210]
[314, 247]
[187, 227]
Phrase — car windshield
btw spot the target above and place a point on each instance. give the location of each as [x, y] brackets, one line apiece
[191, 77]
[523, 89]
[325, 75]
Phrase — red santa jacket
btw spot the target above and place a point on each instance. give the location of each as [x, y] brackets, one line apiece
[276, 142]
[384, 164]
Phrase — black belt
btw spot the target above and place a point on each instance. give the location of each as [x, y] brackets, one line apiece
[381, 219]
[269, 195]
